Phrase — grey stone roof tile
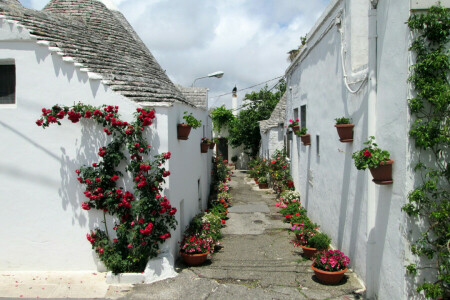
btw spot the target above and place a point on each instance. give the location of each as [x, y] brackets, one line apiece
[197, 96]
[277, 117]
[101, 41]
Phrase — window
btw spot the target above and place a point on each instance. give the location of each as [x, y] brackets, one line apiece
[303, 116]
[7, 83]
[295, 113]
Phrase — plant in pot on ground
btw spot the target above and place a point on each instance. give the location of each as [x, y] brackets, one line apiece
[184, 128]
[330, 266]
[262, 182]
[376, 160]
[291, 209]
[344, 128]
[306, 138]
[316, 243]
[194, 250]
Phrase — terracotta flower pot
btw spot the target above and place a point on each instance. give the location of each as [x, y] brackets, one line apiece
[329, 277]
[309, 252]
[383, 174]
[306, 139]
[295, 128]
[204, 147]
[264, 185]
[211, 145]
[194, 259]
[183, 131]
[345, 132]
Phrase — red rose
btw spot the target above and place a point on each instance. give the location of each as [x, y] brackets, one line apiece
[130, 246]
[77, 171]
[85, 206]
[94, 165]
[166, 173]
[115, 240]
[39, 122]
[114, 178]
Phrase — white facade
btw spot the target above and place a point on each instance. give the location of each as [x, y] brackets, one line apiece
[271, 140]
[355, 64]
[42, 225]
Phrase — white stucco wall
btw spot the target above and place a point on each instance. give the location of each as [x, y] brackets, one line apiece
[42, 225]
[271, 140]
[334, 192]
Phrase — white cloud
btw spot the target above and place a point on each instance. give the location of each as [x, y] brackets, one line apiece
[246, 39]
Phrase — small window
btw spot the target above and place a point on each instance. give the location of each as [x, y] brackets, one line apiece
[7, 83]
[318, 145]
[303, 116]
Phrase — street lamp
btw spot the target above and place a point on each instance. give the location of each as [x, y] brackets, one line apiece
[217, 74]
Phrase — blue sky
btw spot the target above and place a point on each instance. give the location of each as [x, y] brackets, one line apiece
[247, 39]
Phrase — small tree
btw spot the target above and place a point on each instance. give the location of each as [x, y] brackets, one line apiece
[244, 130]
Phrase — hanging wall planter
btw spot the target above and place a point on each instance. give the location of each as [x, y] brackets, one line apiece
[183, 131]
[306, 139]
[383, 174]
[345, 132]
[295, 128]
[204, 147]
[376, 160]
[345, 129]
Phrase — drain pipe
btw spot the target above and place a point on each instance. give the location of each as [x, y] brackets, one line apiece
[371, 131]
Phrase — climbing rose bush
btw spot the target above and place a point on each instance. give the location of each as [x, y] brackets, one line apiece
[144, 216]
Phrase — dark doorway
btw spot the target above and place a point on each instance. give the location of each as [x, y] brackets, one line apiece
[222, 148]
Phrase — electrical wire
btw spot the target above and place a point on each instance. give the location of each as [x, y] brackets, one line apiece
[247, 88]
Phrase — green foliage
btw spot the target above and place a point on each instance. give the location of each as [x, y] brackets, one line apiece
[221, 117]
[244, 130]
[429, 201]
[262, 179]
[278, 169]
[371, 156]
[320, 241]
[191, 120]
[343, 120]
[302, 131]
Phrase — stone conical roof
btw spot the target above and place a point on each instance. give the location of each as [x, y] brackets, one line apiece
[277, 117]
[102, 42]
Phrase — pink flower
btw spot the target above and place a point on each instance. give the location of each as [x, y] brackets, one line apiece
[130, 246]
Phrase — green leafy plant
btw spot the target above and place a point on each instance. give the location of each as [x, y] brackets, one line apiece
[191, 120]
[371, 156]
[343, 120]
[293, 123]
[144, 217]
[302, 131]
[319, 241]
[222, 117]
[304, 232]
[206, 141]
[262, 179]
[428, 204]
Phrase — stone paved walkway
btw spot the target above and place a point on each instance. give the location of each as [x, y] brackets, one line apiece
[257, 261]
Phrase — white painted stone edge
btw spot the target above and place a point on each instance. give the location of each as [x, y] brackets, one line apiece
[158, 268]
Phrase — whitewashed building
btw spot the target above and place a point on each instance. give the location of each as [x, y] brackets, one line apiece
[84, 51]
[272, 130]
[355, 64]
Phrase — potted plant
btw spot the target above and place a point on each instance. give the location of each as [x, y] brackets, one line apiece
[294, 125]
[184, 129]
[291, 209]
[262, 182]
[304, 231]
[306, 138]
[344, 128]
[376, 160]
[330, 266]
[212, 143]
[318, 242]
[194, 250]
[204, 145]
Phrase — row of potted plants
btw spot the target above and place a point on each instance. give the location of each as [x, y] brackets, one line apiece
[328, 265]
[370, 157]
[274, 172]
[202, 237]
